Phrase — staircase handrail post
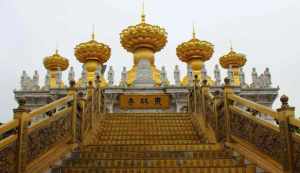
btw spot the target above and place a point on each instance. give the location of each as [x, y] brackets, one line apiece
[204, 92]
[91, 98]
[227, 91]
[217, 98]
[20, 113]
[195, 89]
[82, 102]
[72, 92]
[285, 112]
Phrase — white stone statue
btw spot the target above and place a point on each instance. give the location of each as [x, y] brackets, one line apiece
[35, 80]
[123, 78]
[163, 76]
[177, 75]
[267, 78]
[217, 74]
[23, 80]
[254, 78]
[71, 75]
[242, 78]
[110, 76]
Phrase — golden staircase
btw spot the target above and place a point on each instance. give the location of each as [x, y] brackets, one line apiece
[152, 143]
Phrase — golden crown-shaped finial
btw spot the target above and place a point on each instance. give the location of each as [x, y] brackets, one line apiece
[92, 50]
[195, 49]
[56, 62]
[143, 35]
[233, 59]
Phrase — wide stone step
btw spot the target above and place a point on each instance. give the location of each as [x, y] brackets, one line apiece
[236, 169]
[149, 137]
[149, 148]
[128, 163]
[154, 155]
[150, 142]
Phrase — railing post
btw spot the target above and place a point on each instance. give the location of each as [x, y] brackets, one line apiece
[72, 92]
[216, 100]
[195, 82]
[284, 113]
[98, 90]
[82, 116]
[19, 114]
[91, 99]
[227, 91]
[204, 91]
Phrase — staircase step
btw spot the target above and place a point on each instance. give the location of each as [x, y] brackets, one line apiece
[128, 163]
[237, 169]
[146, 148]
[154, 155]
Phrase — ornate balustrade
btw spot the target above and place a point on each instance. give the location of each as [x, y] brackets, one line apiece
[32, 146]
[274, 146]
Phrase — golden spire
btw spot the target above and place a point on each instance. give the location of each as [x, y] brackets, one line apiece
[93, 33]
[143, 16]
[194, 32]
[231, 49]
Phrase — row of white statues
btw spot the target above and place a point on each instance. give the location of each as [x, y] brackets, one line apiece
[32, 83]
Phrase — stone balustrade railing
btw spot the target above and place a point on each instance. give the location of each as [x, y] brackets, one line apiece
[28, 146]
[273, 146]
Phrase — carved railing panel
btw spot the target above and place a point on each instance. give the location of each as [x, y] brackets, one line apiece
[8, 158]
[40, 140]
[265, 139]
[221, 129]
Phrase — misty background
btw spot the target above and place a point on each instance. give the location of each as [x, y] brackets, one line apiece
[267, 31]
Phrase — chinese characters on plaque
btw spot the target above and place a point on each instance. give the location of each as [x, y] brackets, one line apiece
[159, 101]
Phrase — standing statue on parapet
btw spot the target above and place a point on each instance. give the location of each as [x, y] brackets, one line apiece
[177, 75]
[71, 75]
[35, 80]
[23, 80]
[110, 76]
[254, 83]
[163, 77]
[267, 77]
[242, 78]
[123, 78]
[217, 74]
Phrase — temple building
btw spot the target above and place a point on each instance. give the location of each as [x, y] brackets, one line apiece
[143, 41]
[144, 123]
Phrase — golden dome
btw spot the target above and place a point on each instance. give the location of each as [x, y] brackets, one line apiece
[143, 35]
[234, 59]
[92, 50]
[195, 49]
[55, 62]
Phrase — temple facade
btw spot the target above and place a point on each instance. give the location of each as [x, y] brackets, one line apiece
[143, 85]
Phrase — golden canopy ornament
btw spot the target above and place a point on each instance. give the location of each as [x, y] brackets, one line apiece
[195, 49]
[92, 50]
[143, 35]
[56, 62]
[233, 59]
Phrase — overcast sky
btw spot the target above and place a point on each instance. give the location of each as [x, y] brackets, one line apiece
[267, 31]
